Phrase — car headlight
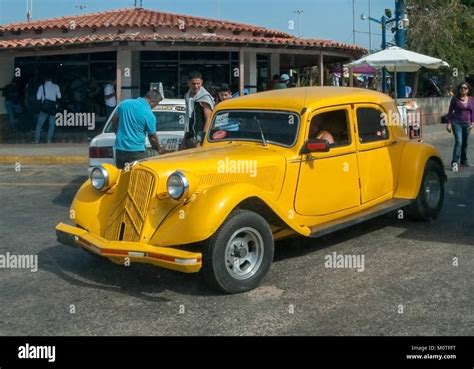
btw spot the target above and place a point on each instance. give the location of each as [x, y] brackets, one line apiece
[177, 185]
[99, 178]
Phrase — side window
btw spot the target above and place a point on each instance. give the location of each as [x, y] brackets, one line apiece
[332, 126]
[371, 125]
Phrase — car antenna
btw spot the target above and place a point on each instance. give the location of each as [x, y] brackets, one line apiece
[261, 132]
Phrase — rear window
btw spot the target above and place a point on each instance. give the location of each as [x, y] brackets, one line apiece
[168, 118]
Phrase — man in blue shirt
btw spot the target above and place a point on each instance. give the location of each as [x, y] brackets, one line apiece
[133, 121]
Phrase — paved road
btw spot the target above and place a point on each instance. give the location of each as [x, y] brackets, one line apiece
[408, 266]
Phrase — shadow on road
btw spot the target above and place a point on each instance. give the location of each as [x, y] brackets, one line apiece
[146, 282]
[455, 225]
[65, 197]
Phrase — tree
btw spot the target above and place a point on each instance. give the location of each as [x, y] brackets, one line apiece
[443, 29]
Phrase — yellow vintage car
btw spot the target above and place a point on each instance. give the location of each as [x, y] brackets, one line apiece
[302, 161]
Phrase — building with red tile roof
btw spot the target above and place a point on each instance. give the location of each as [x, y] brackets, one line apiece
[138, 46]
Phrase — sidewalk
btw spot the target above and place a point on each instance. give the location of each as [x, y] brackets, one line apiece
[60, 153]
[78, 153]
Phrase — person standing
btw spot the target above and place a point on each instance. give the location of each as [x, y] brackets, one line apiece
[199, 106]
[460, 122]
[12, 102]
[274, 81]
[110, 99]
[283, 83]
[132, 121]
[223, 93]
[48, 93]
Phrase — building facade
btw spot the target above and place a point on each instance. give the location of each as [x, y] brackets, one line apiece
[135, 47]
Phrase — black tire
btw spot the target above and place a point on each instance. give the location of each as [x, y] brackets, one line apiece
[225, 245]
[424, 207]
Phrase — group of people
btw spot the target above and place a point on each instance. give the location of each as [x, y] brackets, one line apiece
[135, 120]
[39, 101]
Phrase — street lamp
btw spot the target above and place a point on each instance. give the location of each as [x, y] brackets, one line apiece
[401, 23]
[299, 12]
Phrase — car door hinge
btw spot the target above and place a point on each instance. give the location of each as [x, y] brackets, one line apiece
[360, 185]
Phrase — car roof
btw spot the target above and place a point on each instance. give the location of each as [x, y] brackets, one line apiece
[172, 102]
[297, 98]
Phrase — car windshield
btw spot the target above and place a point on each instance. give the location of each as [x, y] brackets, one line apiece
[166, 119]
[280, 128]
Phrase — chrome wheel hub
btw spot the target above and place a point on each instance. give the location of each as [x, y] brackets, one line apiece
[244, 253]
[432, 190]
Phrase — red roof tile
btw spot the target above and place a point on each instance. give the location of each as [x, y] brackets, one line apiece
[137, 17]
[148, 20]
[91, 39]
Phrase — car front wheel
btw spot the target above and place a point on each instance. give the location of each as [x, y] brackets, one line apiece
[430, 198]
[239, 254]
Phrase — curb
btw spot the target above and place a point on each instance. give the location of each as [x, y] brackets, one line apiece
[44, 159]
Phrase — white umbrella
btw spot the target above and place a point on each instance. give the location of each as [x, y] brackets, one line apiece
[396, 59]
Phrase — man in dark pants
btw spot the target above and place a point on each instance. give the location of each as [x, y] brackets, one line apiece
[133, 120]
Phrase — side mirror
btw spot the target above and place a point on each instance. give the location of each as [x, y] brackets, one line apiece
[315, 145]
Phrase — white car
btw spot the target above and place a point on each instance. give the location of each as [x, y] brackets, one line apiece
[170, 115]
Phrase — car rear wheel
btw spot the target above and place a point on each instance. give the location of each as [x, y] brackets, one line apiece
[430, 198]
[239, 254]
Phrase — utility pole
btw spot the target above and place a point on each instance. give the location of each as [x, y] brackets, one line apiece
[370, 32]
[353, 23]
[29, 10]
[401, 23]
[400, 40]
[299, 12]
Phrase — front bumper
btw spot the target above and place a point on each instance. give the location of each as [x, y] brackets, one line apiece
[118, 251]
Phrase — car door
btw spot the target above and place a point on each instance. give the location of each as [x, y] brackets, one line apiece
[328, 182]
[373, 152]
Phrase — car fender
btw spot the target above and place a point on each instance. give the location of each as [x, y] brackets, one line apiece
[412, 165]
[198, 219]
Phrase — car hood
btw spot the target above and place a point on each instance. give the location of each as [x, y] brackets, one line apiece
[233, 163]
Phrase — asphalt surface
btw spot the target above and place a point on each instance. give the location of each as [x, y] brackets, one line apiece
[409, 285]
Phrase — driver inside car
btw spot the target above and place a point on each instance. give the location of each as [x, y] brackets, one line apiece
[318, 131]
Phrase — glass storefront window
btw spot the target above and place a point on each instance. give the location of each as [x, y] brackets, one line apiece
[103, 72]
[167, 73]
[159, 55]
[106, 56]
[204, 55]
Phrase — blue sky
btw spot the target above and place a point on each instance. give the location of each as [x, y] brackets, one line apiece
[327, 19]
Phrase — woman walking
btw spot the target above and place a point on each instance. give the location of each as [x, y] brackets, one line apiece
[460, 122]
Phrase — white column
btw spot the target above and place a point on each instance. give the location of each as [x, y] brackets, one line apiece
[124, 73]
[250, 75]
[241, 71]
[321, 68]
[274, 65]
[7, 64]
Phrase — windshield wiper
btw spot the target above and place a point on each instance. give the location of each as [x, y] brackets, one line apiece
[264, 141]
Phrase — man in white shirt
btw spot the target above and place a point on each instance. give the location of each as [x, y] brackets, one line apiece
[109, 98]
[47, 94]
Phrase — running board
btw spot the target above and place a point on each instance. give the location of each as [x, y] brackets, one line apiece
[347, 221]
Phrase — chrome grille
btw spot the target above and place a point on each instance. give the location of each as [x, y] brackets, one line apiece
[128, 218]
